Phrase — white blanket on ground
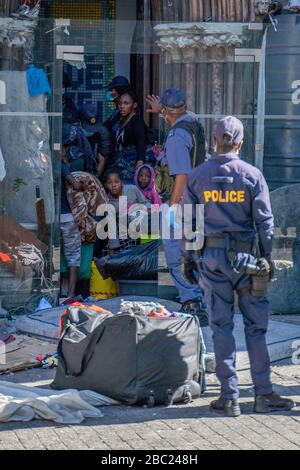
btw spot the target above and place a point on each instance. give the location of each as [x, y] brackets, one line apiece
[22, 403]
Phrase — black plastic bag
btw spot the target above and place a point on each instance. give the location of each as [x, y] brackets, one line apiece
[137, 263]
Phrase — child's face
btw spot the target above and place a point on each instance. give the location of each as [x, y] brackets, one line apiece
[114, 185]
[144, 178]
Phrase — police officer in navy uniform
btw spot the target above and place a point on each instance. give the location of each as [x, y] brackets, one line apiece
[237, 210]
[177, 156]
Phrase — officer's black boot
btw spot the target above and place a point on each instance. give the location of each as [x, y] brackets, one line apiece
[226, 406]
[272, 402]
[196, 307]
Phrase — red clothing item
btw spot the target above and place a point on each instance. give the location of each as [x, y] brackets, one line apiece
[5, 258]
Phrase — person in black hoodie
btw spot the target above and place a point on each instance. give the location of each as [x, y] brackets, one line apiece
[117, 87]
[130, 137]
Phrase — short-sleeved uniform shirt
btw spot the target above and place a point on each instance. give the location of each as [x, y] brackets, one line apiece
[176, 153]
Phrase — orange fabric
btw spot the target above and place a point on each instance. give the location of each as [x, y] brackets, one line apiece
[96, 308]
[5, 258]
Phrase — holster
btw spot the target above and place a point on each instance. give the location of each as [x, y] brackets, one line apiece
[259, 285]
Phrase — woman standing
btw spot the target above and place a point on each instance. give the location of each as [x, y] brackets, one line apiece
[130, 137]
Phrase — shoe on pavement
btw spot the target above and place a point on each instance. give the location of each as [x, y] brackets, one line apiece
[227, 406]
[198, 308]
[271, 403]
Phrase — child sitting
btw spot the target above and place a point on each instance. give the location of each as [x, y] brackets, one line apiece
[145, 181]
[115, 187]
[137, 204]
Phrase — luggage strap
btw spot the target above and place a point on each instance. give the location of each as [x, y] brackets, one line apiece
[232, 245]
[88, 353]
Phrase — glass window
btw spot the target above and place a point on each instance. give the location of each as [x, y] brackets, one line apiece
[30, 141]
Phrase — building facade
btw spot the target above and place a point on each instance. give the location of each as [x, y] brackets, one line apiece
[228, 57]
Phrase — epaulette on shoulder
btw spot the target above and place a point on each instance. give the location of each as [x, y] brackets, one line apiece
[171, 133]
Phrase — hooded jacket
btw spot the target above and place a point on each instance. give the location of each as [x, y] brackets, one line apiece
[150, 192]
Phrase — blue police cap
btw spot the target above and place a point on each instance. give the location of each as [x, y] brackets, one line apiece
[118, 82]
[173, 98]
[90, 117]
[231, 127]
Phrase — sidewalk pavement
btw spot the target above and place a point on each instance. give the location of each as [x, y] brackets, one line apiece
[183, 427]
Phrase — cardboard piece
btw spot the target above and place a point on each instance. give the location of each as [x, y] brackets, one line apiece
[13, 234]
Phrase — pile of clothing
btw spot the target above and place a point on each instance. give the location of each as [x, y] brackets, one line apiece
[48, 361]
[148, 309]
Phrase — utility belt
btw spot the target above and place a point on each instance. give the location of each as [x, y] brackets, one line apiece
[229, 244]
[260, 272]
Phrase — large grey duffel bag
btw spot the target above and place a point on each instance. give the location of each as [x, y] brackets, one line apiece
[133, 359]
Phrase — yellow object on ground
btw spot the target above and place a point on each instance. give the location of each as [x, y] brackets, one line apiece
[102, 288]
[148, 238]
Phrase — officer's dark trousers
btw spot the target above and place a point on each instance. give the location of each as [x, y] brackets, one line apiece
[219, 282]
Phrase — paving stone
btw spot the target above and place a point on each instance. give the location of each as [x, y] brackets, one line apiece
[184, 427]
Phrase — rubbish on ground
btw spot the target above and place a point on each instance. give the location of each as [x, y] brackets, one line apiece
[6, 339]
[22, 352]
[48, 361]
